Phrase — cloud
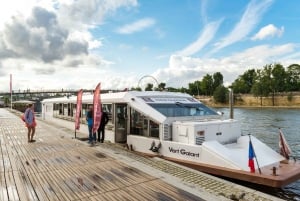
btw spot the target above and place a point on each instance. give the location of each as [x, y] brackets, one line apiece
[268, 31]
[55, 31]
[136, 26]
[83, 15]
[39, 37]
[50, 38]
[206, 36]
[250, 18]
[183, 69]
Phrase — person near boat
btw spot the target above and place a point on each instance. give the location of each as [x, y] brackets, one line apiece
[30, 122]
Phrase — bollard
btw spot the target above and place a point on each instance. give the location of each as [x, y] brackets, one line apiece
[274, 171]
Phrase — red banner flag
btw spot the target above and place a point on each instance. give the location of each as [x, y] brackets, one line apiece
[97, 109]
[251, 156]
[283, 145]
[78, 109]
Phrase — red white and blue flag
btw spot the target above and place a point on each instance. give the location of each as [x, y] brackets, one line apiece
[251, 157]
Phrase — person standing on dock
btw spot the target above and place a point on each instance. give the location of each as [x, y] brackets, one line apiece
[101, 129]
[30, 122]
[89, 119]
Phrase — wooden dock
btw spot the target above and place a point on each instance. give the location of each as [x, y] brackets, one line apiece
[57, 167]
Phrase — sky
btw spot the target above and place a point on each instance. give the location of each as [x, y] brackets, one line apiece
[76, 44]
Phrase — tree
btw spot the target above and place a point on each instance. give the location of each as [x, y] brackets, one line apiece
[278, 78]
[260, 87]
[217, 80]
[240, 86]
[183, 90]
[161, 86]
[207, 85]
[135, 89]
[194, 88]
[293, 77]
[249, 79]
[221, 94]
[149, 87]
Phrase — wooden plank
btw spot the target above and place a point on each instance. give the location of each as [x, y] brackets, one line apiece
[42, 188]
[22, 187]
[78, 185]
[3, 189]
[60, 188]
[10, 186]
[27, 185]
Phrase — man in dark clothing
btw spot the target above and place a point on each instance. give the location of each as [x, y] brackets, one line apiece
[101, 129]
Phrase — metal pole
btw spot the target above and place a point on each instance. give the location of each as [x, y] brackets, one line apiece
[10, 87]
[231, 103]
[10, 100]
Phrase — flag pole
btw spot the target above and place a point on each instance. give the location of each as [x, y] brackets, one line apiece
[10, 88]
[255, 155]
[78, 110]
[285, 149]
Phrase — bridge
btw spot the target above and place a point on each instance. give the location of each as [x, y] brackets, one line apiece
[47, 91]
[37, 96]
[34, 94]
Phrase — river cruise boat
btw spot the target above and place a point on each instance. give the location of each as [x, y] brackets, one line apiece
[179, 128]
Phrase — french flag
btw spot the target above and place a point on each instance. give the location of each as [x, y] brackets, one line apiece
[251, 156]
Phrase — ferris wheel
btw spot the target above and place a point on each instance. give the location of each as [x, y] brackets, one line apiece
[147, 79]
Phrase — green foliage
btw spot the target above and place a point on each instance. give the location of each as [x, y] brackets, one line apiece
[162, 86]
[278, 79]
[217, 80]
[149, 87]
[244, 83]
[293, 78]
[207, 85]
[261, 86]
[136, 89]
[194, 88]
[221, 94]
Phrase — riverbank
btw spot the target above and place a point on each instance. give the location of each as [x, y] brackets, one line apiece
[278, 101]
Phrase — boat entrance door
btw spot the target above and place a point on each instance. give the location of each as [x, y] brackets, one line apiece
[120, 123]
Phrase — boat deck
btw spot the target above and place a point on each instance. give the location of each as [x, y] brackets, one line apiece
[59, 167]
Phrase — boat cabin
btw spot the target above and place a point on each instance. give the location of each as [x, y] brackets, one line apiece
[158, 115]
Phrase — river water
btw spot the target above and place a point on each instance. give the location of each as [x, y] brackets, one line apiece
[264, 123]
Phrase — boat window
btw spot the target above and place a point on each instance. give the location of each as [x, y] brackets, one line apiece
[154, 129]
[108, 108]
[55, 109]
[141, 125]
[182, 109]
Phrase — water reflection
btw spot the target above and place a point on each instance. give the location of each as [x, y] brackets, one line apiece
[264, 124]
